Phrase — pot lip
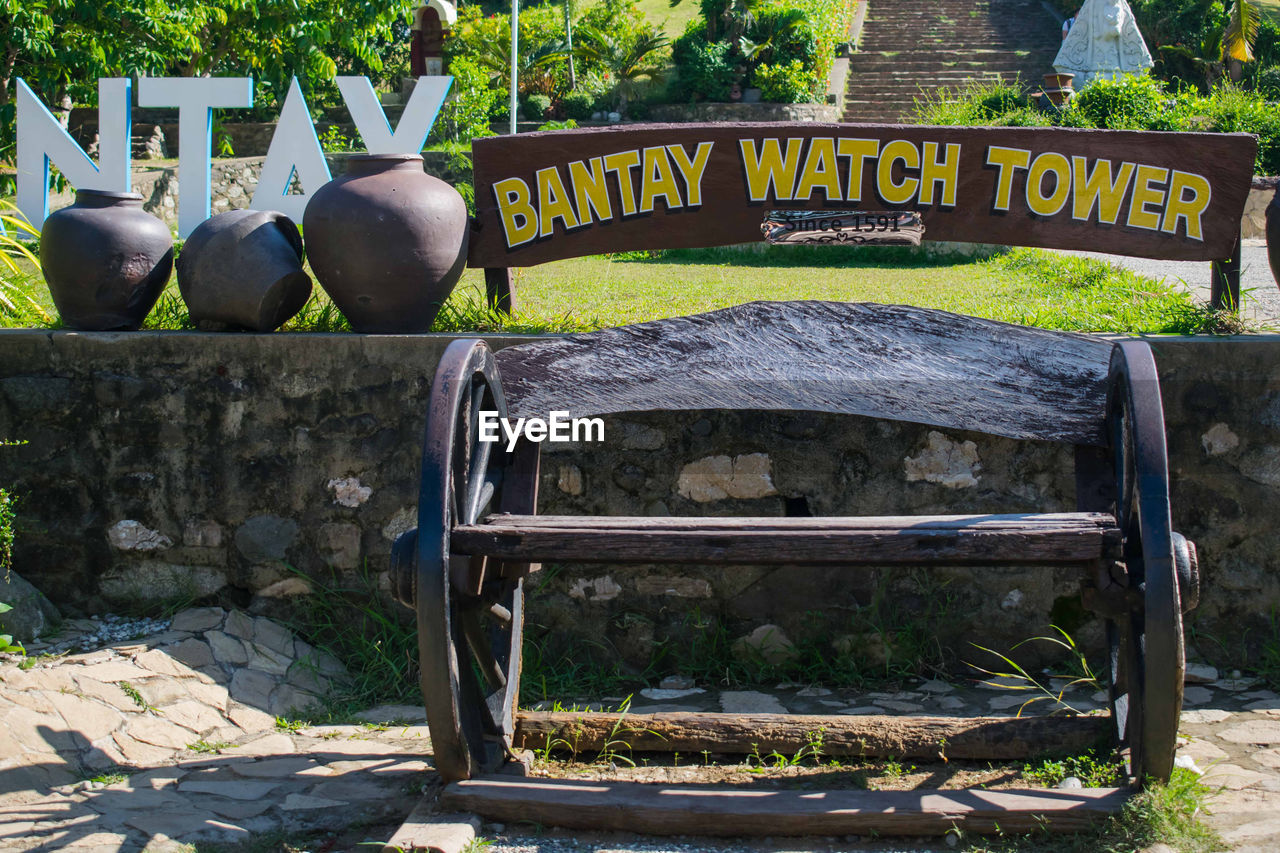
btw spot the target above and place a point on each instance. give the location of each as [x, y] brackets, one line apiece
[374, 158]
[116, 194]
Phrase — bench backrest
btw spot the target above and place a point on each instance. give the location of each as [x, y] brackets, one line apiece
[884, 361]
[547, 196]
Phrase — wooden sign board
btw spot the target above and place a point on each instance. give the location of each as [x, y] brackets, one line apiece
[562, 194]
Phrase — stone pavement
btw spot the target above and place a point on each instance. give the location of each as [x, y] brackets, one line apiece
[171, 739]
[170, 742]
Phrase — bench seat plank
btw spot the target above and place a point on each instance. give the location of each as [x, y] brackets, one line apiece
[883, 361]
[755, 810]
[1049, 539]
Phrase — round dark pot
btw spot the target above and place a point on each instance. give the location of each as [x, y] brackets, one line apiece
[387, 242]
[106, 260]
[243, 270]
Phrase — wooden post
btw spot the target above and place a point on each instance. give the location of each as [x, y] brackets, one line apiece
[1273, 235]
[500, 289]
[1224, 288]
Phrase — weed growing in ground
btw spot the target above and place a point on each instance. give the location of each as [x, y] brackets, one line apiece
[350, 619]
[283, 724]
[132, 692]
[1159, 813]
[204, 747]
[1269, 661]
[1079, 672]
[1089, 768]
[108, 778]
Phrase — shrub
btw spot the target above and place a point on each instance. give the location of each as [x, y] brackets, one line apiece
[784, 84]
[1231, 110]
[465, 115]
[704, 70]
[1131, 103]
[1267, 83]
[536, 107]
[578, 105]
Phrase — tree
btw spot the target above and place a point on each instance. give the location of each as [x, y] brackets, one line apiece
[629, 60]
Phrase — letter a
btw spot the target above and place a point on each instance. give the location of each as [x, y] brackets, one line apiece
[294, 150]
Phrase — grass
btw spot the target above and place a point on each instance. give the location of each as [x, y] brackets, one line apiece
[1026, 286]
[349, 620]
[670, 19]
[1092, 771]
[1160, 813]
[887, 643]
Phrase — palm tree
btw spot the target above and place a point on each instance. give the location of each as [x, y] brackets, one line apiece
[1241, 31]
[630, 61]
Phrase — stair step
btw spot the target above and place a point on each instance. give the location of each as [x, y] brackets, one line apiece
[1018, 539]
[758, 810]
[909, 45]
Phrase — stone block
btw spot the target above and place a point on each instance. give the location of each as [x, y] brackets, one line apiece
[202, 533]
[197, 619]
[715, 478]
[265, 538]
[32, 615]
[339, 545]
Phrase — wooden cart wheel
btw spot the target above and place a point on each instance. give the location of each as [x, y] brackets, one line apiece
[1147, 663]
[469, 630]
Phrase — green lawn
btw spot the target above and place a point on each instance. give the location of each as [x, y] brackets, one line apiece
[672, 21]
[1025, 286]
[1270, 8]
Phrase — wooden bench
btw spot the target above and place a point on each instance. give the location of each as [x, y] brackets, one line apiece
[479, 533]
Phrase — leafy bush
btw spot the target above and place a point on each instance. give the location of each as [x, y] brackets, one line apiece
[465, 115]
[704, 69]
[1133, 103]
[1231, 110]
[1267, 83]
[791, 83]
[1130, 103]
[536, 107]
[578, 105]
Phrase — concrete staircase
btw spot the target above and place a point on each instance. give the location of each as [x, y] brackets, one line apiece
[914, 48]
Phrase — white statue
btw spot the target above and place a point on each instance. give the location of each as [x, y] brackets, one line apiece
[1104, 43]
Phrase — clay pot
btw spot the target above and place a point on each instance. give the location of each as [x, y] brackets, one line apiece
[387, 242]
[1058, 97]
[243, 270]
[1058, 81]
[106, 260]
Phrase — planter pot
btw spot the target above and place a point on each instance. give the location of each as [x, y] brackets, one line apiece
[1058, 81]
[106, 260]
[243, 270]
[1058, 97]
[387, 242]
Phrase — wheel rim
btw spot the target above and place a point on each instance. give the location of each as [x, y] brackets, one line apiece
[1147, 645]
[468, 640]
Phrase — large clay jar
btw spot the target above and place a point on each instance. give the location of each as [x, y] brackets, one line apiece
[387, 242]
[243, 270]
[106, 260]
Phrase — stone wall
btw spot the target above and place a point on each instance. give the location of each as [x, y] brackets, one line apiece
[234, 468]
[745, 112]
[1253, 224]
[233, 181]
